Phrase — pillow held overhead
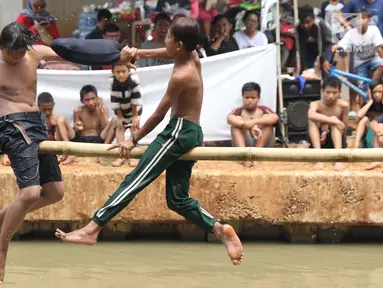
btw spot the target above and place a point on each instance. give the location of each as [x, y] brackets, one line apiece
[91, 52]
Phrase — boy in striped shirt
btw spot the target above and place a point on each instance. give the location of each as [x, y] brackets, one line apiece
[126, 103]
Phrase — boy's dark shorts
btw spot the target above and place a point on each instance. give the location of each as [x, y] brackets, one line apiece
[88, 139]
[20, 135]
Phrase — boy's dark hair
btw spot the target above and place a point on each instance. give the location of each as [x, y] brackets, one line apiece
[111, 28]
[304, 12]
[186, 30]
[103, 14]
[45, 97]
[251, 86]
[16, 36]
[331, 82]
[161, 16]
[375, 83]
[365, 12]
[87, 89]
[120, 64]
[248, 13]
[219, 17]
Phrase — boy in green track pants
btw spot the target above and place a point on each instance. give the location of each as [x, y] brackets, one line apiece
[184, 96]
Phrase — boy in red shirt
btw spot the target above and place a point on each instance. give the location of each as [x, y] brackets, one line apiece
[251, 120]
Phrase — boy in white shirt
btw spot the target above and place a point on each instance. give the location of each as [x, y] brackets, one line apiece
[366, 43]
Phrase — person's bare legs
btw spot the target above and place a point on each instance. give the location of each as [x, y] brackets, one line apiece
[353, 97]
[15, 215]
[336, 136]
[50, 193]
[109, 132]
[133, 162]
[66, 133]
[314, 133]
[360, 129]
[239, 140]
[89, 234]
[267, 133]
[120, 137]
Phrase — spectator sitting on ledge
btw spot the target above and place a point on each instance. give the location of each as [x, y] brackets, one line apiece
[252, 124]
[328, 120]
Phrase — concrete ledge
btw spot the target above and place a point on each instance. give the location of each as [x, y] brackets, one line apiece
[282, 194]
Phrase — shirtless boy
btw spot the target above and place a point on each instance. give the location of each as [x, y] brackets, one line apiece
[328, 120]
[366, 133]
[46, 105]
[184, 97]
[22, 128]
[91, 124]
[251, 120]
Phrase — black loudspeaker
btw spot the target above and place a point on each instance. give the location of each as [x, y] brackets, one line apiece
[297, 106]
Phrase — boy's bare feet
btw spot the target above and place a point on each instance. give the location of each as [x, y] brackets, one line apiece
[118, 162]
[372, 166]
[81, 236]
[339, 166]
[6, 161]
[256, 164]
[319, 166]
[67, 160]
[231, 241]
[133, 162]
[247, 163]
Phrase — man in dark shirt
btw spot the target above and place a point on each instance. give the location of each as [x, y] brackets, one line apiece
[103, 17]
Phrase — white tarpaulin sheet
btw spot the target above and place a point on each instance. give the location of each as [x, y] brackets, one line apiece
[223, 75]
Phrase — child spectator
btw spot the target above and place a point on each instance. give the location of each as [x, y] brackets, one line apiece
[365, 135]
[328, 120]
[126, 103]
[252, 121]
[365, 43]
[91, 124]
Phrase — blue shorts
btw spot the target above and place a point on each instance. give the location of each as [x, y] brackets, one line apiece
[364, 69]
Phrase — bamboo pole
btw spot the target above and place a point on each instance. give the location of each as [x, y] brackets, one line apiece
[225, 153]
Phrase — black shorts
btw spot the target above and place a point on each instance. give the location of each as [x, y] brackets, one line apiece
[88, 139]
[330, 145]
[20, 135]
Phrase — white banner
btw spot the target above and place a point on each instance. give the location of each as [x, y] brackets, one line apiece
[223, 75]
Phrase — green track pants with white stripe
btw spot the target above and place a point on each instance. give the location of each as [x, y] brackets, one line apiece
[178, 138]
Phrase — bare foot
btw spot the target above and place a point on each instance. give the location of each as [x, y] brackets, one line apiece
[6, 161]
[232, 243]
[247, 163]
[118, 162]
[319, 166]
[339, 167]
[372, 166]
[133, 162]
[68, 160]
[78, 236]
[256, 164]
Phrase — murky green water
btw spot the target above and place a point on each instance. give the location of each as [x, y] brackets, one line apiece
[174, 264]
